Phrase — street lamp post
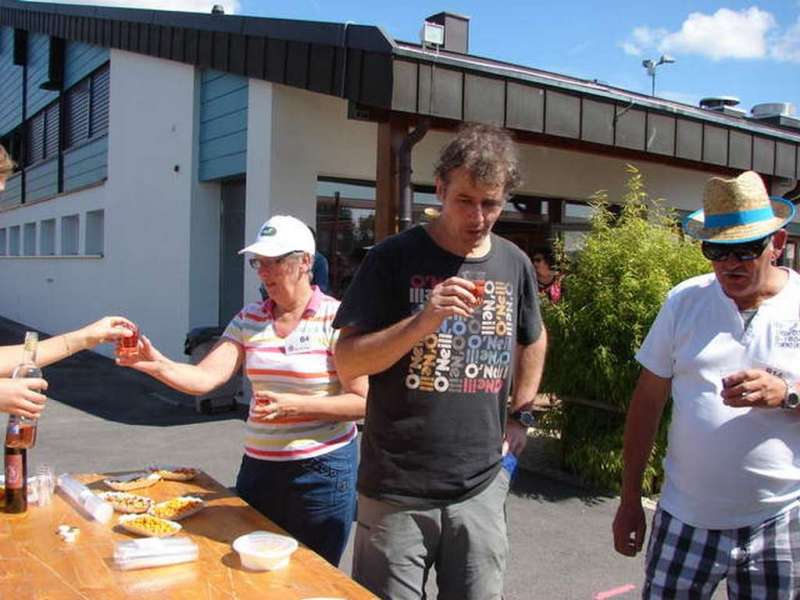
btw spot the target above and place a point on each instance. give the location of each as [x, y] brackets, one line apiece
[651, 65]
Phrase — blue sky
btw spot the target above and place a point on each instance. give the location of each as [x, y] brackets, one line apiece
[750, 50]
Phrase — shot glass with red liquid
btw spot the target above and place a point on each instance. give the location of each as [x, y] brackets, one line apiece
[478, 278]
[129, 346]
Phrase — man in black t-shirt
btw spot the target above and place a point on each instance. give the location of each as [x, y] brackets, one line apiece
[443, 318]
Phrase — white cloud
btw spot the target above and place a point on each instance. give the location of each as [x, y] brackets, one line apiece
[750, 33]
[203, 6]
[787, 45]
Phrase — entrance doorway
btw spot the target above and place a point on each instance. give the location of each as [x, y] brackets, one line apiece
[231, 265]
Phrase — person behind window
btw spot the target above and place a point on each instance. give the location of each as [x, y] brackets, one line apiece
[547, 275]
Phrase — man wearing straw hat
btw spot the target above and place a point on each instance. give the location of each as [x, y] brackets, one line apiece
[726, 347]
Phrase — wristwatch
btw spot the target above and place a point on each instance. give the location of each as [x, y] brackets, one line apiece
[524, 417]
[792, 399]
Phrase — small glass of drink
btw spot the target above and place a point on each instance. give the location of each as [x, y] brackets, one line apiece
[129, 346]
[478, 278]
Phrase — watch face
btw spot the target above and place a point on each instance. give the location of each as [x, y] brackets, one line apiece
[526, 418]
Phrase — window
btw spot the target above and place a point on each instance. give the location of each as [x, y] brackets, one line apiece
[86, 108]
[29, 239]
[70, 232]
[42, 135]
[13, 240]
[94, 232]
[47, 238]
[3, 241]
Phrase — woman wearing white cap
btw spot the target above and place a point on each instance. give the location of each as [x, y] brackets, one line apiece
[299, 464]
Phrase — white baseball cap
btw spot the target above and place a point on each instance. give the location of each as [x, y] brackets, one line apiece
[281, 235]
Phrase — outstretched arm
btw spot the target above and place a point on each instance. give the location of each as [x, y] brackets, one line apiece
[107, 329]
[216, 368]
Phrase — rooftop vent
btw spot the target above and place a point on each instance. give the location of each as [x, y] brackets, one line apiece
[456, 31]
[722, 104]
[773, 109]
[218, 9]
[780, 114]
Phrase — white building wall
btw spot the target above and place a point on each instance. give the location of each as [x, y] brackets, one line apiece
[153, 206]
[312, 136]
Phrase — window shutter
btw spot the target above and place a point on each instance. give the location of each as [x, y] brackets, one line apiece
[34, 139]
[76, 118]
[100, 96]
[52, 130]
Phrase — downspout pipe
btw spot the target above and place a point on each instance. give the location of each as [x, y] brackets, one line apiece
[404, 174]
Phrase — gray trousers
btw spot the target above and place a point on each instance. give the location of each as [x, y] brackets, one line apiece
[396, 546]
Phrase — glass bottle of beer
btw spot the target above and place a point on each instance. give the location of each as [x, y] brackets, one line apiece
[16, 468]
[21, 431]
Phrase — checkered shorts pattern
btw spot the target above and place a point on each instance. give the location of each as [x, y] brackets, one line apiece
[760, 562]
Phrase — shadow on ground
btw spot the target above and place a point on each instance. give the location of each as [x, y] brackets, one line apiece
[95, 384]
[534, 485]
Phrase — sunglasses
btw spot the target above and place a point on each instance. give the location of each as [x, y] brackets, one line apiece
[257, 262]
[744, 252]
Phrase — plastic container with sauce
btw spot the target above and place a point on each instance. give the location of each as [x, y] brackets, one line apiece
[264, 551]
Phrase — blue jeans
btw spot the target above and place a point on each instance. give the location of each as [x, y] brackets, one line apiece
[313, 499]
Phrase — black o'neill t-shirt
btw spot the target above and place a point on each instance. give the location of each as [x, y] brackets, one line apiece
[435, 419]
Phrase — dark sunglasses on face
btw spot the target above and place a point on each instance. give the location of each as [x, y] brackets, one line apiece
[744, 252]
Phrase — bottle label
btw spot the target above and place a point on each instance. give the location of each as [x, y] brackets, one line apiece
[14, 471]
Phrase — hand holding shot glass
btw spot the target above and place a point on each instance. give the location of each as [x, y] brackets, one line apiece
[478, 279]
[128, 347]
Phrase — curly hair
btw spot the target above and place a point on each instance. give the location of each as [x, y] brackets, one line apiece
[6, 164]
[486, 152]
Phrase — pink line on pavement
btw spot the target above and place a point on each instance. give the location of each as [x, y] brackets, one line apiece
[614, 592]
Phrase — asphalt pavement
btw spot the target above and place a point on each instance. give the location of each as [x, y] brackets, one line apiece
[103, 418]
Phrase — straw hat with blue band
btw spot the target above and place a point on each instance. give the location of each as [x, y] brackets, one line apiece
[738, 210]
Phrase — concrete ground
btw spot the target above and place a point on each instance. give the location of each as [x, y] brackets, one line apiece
[103, 418]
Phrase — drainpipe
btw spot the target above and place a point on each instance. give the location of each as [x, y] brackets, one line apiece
[404, 174]
[794, 193]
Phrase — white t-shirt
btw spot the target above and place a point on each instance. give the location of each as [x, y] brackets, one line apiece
[726, 467]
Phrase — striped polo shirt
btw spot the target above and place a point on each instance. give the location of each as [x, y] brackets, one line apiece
[301, 363]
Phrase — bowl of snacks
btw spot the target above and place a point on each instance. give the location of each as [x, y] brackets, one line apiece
[148, 525]
[264, 550]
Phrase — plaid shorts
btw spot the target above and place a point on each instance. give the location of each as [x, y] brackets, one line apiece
[760, 562]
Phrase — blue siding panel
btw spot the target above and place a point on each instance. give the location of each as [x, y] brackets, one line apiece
[13, 194]
[82, 59]
[10, 83]
[38, 62]
[41, 181]
[223, 125]
[227, 145]
[86, 164]
[222, 167]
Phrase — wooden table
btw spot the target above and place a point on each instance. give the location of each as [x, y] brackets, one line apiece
[36, 564]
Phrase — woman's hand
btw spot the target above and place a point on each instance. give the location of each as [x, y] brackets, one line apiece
[268, 406]
[23, 396]
[145, 359]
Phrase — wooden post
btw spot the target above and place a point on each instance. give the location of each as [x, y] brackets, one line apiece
[387, 187]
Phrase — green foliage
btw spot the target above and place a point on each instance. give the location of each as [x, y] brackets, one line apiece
[631, 259]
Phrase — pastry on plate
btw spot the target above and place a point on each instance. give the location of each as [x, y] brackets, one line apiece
[132, 481]
[125, 502]
[174, 473]
[176, 509]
